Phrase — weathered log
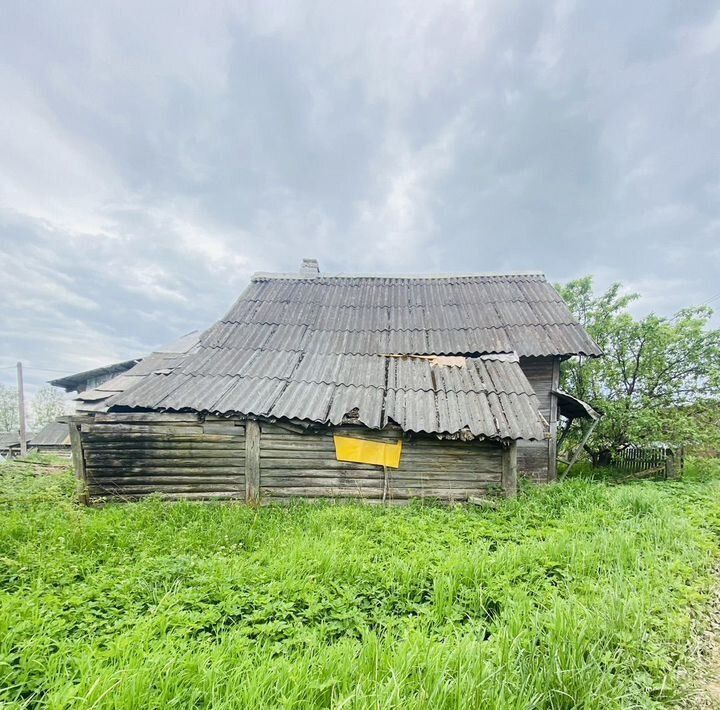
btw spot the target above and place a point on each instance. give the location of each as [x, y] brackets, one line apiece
[123, 429]
[395, 476]
[164, 454]
[104, 436]
[134, 446]
[322, 492]
[198, 482]
[133, 417]
[101, 472]
[167, 495]
[160, 462]
[129, 489]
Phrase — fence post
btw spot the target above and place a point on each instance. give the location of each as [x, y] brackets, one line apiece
[670, 466]
[78, 457]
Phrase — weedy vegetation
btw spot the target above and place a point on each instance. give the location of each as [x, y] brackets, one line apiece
[577, 595]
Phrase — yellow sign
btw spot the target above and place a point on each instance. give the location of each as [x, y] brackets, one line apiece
[365, 451]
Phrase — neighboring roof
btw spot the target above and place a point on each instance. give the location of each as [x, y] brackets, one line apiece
[10, 439]
[71, 382]
[575, 408]
[52, 434]
[162, 360]
[316, 348]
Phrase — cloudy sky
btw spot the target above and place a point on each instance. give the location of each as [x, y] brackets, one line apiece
[153, 156]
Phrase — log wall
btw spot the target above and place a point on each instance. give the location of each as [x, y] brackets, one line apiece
[130, 456]
[304, 465]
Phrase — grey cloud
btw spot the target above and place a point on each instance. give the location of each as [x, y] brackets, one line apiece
[153, 157]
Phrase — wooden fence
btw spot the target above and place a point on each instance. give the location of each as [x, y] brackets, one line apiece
[650, 459]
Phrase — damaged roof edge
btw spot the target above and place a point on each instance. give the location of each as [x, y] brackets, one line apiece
[491, 398]
[311, 425]
[69, 382]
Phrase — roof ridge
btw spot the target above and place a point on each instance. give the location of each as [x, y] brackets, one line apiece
[270, 275]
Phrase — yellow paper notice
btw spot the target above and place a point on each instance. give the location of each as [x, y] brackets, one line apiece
[365, 451]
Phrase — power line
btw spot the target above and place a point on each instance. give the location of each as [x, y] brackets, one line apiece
[39, 369]
[711, 299]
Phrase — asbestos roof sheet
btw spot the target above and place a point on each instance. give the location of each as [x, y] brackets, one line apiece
[166, 360]
[71, 382]
[489, 397]
[450, 315]
[52, 434]
[320, 348]
[8, 439]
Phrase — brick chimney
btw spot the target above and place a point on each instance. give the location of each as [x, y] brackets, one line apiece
[310, 267]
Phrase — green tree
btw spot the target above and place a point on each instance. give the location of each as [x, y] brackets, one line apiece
[48, 404]
[9, 420]
[654, 377]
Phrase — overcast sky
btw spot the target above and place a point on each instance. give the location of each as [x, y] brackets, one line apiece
[152, 157]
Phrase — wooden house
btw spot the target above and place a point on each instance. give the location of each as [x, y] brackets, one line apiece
[376, 387]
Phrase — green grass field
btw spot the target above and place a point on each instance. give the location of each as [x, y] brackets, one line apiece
[579, 595]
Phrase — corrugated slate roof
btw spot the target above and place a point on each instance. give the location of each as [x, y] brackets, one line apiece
[72, 382]
[52, 434]
[423, 315]
[8, 439]
[318, 347]
[487, 396]
[164, 360]
[11, 439]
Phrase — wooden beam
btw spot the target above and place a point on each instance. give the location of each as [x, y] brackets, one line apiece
[78, 462]
[252, 461]
[578, 451]
[509, 470]
[552, 444]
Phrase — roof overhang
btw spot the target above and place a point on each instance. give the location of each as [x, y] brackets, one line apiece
[574, 408]
[71, 382]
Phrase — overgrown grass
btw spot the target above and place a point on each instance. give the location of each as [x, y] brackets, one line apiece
[579, 595]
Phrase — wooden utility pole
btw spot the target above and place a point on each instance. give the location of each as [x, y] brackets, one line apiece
[21, 410]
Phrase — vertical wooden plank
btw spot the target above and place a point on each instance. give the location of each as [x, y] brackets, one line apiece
[78, 458]
[509, 470]
[552, 444]
[252, 461]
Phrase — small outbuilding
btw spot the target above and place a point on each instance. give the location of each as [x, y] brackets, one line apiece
[9, 444]
[376, 387]
[53, 438]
